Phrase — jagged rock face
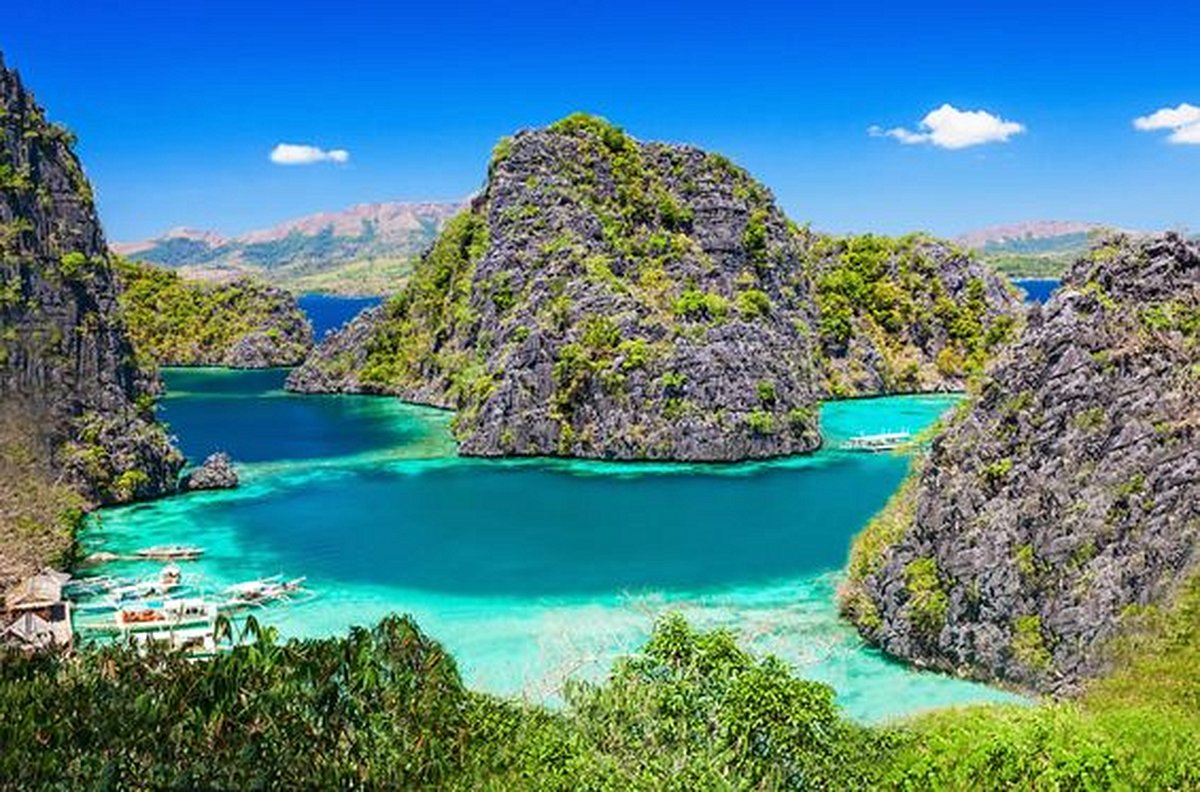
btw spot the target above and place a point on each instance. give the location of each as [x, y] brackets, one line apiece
[64, 355]
[216, 472]
[257, 349]
[335, 366]
[609, 298]
[601, 298]
[1063, 495]
[907, 315]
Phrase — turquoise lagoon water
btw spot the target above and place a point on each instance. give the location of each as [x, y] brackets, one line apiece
[530, 571]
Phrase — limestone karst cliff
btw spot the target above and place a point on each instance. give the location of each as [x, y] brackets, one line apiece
[604, 297]
[78, 409]
[1064, 495]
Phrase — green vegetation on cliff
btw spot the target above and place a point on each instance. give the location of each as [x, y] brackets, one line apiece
[38, 515]
[77, 426]
[243, 323]
[433, 305]
[612, 298]
[905, 314]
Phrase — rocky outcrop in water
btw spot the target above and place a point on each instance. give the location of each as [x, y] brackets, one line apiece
[604, 297]
[67, 368]
[241, 323]
[601, 298]
[216, 472]
[1064, 496]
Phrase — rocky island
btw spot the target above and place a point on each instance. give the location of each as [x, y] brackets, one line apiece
[78, 411]
[604, 297]
[240, 323]
[1061, 500]
[215, 472]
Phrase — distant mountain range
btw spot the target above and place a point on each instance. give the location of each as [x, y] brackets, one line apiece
[365, 249]
[1033, 249]
[369, 248]
[1030, 236]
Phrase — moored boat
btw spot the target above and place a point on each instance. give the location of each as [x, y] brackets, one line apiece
[262, 591]
[171, 613]
[170, 553]
[109, 593]
[884, 441]
[198, 642]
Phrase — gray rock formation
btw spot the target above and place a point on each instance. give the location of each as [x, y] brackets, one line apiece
[907, 315]
[342, 356]
[216, 472]
[609, 298]
[1062, 496]
[260, 349]
[64, 354]
[599, 299]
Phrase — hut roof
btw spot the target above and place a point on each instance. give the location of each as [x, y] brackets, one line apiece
[39, 591]
[30, 630]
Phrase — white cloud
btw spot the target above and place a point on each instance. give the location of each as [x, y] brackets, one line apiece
[1183, 121]
[295, 154]
[950, 128]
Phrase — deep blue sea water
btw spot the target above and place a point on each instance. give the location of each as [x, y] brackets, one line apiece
[328, 312]
[1038, 289]
[530, 571]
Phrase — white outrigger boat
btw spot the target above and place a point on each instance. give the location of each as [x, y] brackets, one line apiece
[170, 553]
[199, 642]
[91, 586]
[885, 441]
[262, 591]
[118, 591]
[171, 614]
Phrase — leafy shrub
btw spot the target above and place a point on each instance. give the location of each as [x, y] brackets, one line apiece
[753, 303]
[1029, 646]
[173, 321]
[928, 601]
[995, 472]
[761, 422]
[696, 305]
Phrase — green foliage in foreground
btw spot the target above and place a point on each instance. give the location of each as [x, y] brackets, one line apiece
[1139, 728]
[386, 707]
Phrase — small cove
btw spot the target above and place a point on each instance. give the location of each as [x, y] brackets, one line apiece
[530, 570]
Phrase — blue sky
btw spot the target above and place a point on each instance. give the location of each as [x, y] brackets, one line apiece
[178, 104]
